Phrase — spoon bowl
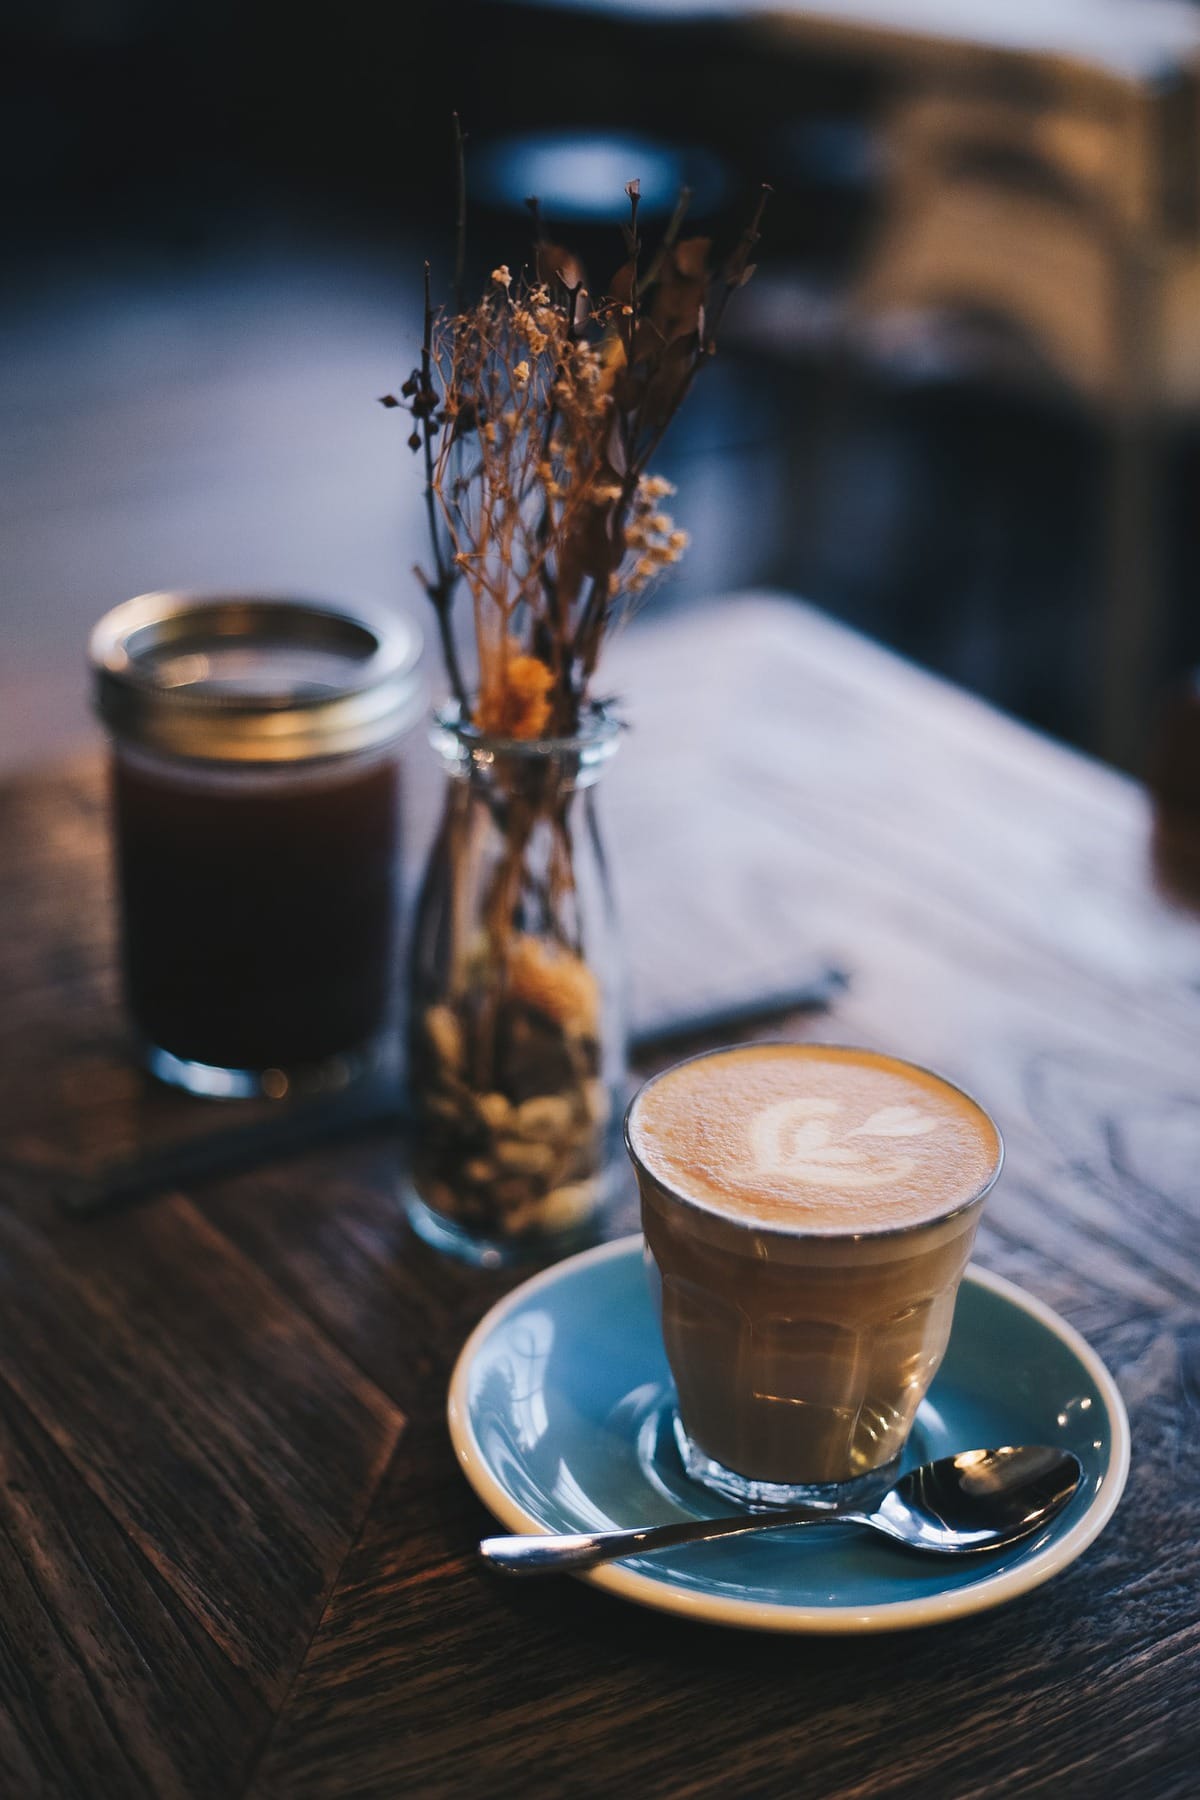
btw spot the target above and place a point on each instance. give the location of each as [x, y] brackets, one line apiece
[960, 1505]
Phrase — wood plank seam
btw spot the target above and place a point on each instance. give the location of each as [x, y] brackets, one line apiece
[387, 1408]
[22, 1411]
[327, 1600]
[389, 1416]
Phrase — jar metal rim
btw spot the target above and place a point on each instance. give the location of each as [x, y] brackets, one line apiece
[381, 696]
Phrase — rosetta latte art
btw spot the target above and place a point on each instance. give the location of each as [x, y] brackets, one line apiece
[798, 1139]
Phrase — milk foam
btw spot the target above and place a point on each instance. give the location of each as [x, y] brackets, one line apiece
[797, 1139]
[813, 1137]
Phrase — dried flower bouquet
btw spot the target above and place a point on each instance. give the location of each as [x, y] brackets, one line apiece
[537, 411]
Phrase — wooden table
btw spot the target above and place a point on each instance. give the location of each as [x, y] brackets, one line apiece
[235, 1552]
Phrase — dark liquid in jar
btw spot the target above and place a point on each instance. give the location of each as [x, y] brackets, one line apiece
[257, 911]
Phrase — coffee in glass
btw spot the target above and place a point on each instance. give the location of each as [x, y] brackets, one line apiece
[809, 1211]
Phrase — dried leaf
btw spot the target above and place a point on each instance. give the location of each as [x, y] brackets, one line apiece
[677, 299]
[690, 256]
[554, 263]
[669, 378]
[615, 456]
[621, 286]
[589, 552]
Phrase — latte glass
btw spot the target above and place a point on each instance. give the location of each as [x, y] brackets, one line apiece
[801, 1355]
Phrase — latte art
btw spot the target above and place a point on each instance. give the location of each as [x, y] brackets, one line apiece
[797, 1138]
[813, 1137]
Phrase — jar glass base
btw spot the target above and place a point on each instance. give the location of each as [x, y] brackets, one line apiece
[453, 1239]
[858, 1491]
[212, 1082]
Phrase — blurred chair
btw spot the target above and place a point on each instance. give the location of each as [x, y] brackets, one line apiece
[1041, 191]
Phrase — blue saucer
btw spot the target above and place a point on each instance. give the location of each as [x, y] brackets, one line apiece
[560, 1412]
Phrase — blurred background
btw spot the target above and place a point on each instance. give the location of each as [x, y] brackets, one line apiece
[957, 407]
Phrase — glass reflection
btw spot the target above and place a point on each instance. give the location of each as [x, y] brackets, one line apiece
[529, 1344]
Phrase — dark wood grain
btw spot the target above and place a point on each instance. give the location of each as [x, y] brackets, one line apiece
[225, 1410]
[472, 1686]
[234, 1444]
[108, 1685]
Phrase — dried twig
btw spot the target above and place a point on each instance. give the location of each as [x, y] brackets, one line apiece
[460, 211]
[441, 588]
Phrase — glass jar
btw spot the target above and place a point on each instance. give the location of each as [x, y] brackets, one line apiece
[515, 1007]
[255, 796]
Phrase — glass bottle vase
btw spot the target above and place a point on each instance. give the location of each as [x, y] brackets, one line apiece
[515, 1006]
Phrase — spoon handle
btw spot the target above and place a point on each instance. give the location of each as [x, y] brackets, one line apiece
[562, 1553]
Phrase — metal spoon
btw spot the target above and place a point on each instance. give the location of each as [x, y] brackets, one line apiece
[978, 1500]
